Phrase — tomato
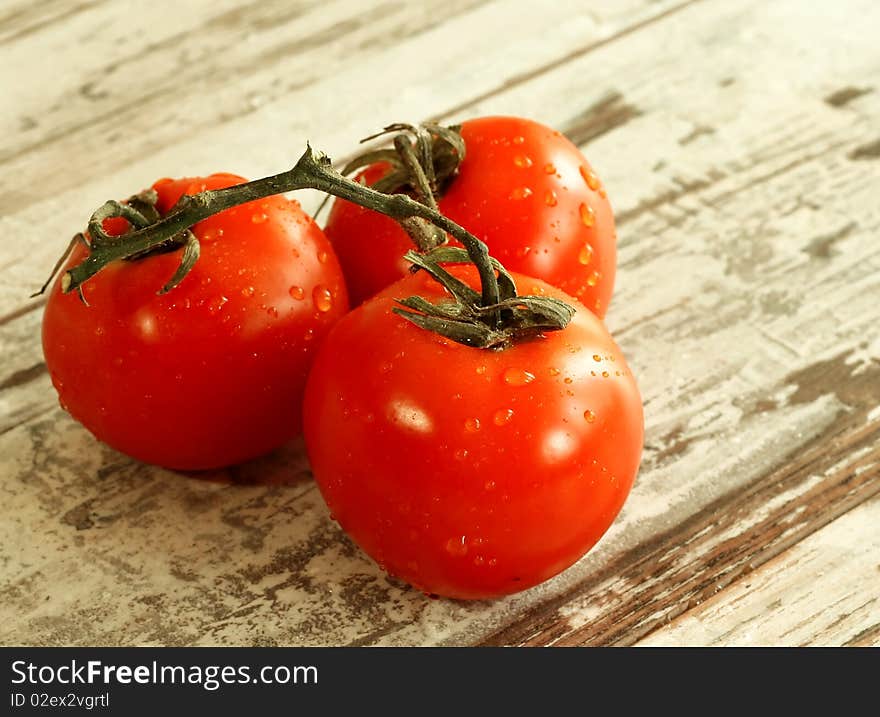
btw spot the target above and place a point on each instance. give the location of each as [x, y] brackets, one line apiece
[525, 190]
[471, 473]
[211, 373]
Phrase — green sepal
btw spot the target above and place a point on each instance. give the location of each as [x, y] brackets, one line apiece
[191, 251]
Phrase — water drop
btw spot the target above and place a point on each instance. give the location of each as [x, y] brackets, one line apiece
[493, 562]
[489, 485]
[323, 256]
[461, 454]
[323, 298]
[518, 377]
[248, 291]
[553, 371]
[589, 416]
[550, 198]
[550, 168]
[457, 546]
[217, 304]
[210, 234]
[273, 312]
[521, 193]
[481, 369]
[478, 560]
[588, 216]
[586, 254]
[597, 358]
[593, 278]
[502, 416]
[296, 292]
[472, 425]
[523, 161]
[519, 139]
[259, 217]
[605, 374]
[591, 179]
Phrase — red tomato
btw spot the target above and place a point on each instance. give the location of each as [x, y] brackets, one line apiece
[471, 473]
[525, 190]
[211, 373]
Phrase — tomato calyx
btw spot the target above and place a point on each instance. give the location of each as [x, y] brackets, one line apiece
[423, 161]
[438, 150]
[464, 319]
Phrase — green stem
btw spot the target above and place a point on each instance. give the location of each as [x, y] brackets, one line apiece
[312, 171]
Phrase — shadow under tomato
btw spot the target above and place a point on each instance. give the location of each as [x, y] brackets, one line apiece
[285, 466]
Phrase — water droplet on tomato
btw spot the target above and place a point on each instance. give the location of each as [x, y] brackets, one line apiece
[296, 292]
[517, 377]
[273, 312]
[523, 161]
[588, 216]
[553, 371]
[550, 198]
[591, 179]
[323, 256]
[481, 369]
[593, 278]
[519, 139]
[549, 168]
[211, 234]
[520, 193]
[472, 425]
[457, 546]
[489, 485]
[597, 358]
[589, 416]
[217, 304]
[605, 374]
[493, 562]
[461, 454]
[259, 217]
[502, 416]
[248, 291]
[586, 254]
[323, 298]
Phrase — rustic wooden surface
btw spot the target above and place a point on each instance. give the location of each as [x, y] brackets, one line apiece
[740, 144]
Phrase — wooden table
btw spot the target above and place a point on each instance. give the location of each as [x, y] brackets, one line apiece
[740, 145]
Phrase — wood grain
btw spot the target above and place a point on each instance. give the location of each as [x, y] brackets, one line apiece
[737, 143]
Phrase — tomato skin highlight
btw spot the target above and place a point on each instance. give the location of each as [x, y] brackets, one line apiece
[211, 373]
[525, 190]
[471, 473]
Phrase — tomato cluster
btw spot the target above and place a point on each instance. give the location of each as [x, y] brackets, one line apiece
[469, 472]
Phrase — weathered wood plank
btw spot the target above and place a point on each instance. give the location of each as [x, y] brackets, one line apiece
[824, 591]
[20, 20]
[746, 305]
